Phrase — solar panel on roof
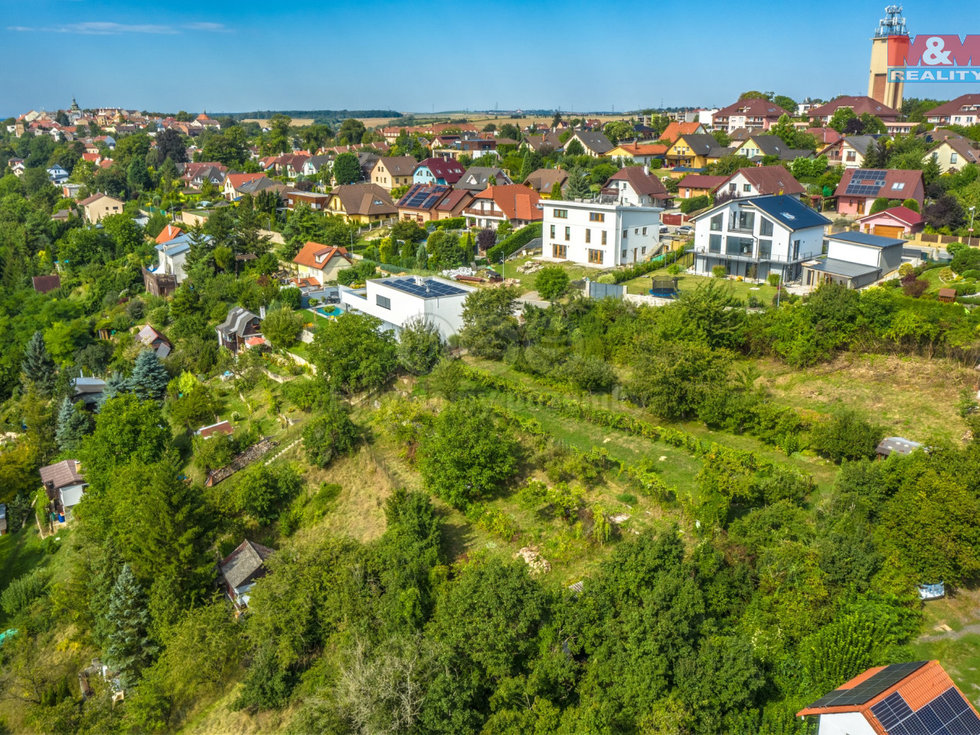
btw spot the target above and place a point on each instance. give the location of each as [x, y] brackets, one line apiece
[870, 688]
[947, 714]
[426, 289]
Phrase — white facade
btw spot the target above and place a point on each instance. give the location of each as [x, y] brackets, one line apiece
[599, 235]
[750, 243]
[171, 259]
[852, 253]
[845, 723]
[388, 300]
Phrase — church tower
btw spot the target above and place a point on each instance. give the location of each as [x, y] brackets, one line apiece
[891, 33]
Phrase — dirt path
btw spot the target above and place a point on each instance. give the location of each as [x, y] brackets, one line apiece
[951, 635]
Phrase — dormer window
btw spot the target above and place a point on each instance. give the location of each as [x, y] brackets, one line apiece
[898, 185]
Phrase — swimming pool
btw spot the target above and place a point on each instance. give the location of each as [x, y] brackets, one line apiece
[329, 310]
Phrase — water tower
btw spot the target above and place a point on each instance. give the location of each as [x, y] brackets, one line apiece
[893, 32]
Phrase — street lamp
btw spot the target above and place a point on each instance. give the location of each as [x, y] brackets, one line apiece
[973, 212]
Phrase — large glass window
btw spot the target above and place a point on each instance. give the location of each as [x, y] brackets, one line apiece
[588, 235]
[559, 251]
[765, 249]
[742, 221]
[765, 226]
[383, 301]
[714, 243]
[561, 214]
[717, 221]
[595, 256]
[738, 245]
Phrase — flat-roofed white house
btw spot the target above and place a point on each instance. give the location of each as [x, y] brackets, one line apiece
[753, 237]
[172, 256]
[599, 235]
[854, 259]
[400, 300]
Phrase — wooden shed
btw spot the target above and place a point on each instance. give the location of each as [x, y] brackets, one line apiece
[947, 295]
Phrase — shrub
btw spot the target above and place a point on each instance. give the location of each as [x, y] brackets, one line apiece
[773, 279]
[911, 204]
[879, 205]
[513, 242]
[21, 592]
[695, 203]
[551, 282]
[845, 435]
[719, 271]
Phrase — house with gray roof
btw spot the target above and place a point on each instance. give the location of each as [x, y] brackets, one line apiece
[240, 329]
[855, 260]
[477, 178]
[64, 485]
[241, 569]
[754, 237]
[594, 142]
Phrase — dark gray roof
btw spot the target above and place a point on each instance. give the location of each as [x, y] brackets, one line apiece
[237, 321]
[594, 141]
[788, 211]
[702, 144]
[244, 563]
[843, 268]
[424, 288]
[773, 145]
[476, 178]
[897, 445]
[867, 239]
[860, 143]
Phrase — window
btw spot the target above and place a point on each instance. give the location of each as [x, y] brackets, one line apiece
[716, 222]
[552, 232]
[738, 246]
[953, 158]
[561, 214]
[746, 187]
[626, 234]
[383, 301]
[559, 251]
[796, 249]
[765, 249]
[765, 226]
[588, 235]
[731, 188]
[603, 237]
[595, 256]
[644, 230]
[851, 156]
[597, 217]
[624, 255]
[742, 221]
[643, 250]
[568, 234]
[714, 243]
[898, 185]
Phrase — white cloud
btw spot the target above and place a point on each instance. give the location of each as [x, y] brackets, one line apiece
[101, 28]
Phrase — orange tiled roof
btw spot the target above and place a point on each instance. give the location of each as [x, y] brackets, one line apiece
[515, 200]
[675, 130]
[168, 233]
[236, 180]
[317, 255]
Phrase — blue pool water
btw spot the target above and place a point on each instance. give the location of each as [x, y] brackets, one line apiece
[329, 310]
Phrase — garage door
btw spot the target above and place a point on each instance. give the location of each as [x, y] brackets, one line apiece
[887, 231]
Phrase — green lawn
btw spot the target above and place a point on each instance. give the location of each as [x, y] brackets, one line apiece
[687, 282]
[19, 554]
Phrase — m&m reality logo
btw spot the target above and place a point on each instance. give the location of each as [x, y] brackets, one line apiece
[934, 58]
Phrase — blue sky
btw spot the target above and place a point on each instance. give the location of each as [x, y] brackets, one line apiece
[419, 56]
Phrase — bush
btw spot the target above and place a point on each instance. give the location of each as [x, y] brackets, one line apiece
[695, 203]
[773, 279]
[514, 242]
[845, 435]
[551, 282]
[21, 592]
[974, 274]
[879, 205]
[330, 434]
[719, 271]
[911, 204]
[965, 259]
[452, 223]
[589, 373]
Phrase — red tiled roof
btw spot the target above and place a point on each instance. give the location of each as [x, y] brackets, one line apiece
[442, 168]
[515, 200]
[902, 214]
[770, 180]
[455, 198]
[168, 233]
[90, 157]
[675, 130]
[827, 136]
[236, 180]
[912, 179]
[752, 108]
[953, 107]
[308, 282]
[699, 181]
[917, 689]
[222, 427]
[860, 105]
[316, 255]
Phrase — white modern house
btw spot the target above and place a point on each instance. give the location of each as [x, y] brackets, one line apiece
[854, 259]
[754, 237]
[597, 234]
[172, 256]
[400, 300]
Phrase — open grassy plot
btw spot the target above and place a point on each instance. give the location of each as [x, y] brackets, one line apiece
[951, 633]
[688, 282]
[913, 397]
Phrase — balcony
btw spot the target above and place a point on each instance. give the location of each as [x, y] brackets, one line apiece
[751, 257]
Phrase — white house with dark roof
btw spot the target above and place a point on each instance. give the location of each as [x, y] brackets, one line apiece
[240, 329]
[400, 300]
[172, 256]
[594, 142]
[854, 259]
[635, 186]
[754, 237]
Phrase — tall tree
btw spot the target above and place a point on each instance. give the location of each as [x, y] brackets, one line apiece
[419, 347]
[578, 184]
[170, 145]
[129, 648]
[352, 354]
[489, 324]
[73, 424]
[346, 169]
[149, 378]
[38, 366]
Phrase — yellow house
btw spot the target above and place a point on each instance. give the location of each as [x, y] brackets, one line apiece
[691, 151]
[393, 171]
[953, 154]
[641, 153]
[361, 203]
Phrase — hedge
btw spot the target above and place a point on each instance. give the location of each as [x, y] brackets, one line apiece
[453, 223]
[514, 242]
[641, 269]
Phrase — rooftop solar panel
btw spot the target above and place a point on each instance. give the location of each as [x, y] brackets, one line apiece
[425, 288]
[947, 714]
[870, 688]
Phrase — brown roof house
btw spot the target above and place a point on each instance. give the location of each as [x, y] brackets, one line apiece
[45, 284]
[239, 330]
[151, 338]
[635, 187]
[544, 179]
[222, 428]
[98, 206]
[361, 203]
[392, 171]
[964, 110]
[859, 188]
[754, 114]
[240, 570]
[512, 203]
[755, 181]
[696, 185]
[321, 262]
[860, 106]
[64, 484]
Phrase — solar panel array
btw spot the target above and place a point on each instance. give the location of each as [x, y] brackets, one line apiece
[870, 688]
[423, 196]
[947, 714]
[866, 182]
[426, 289]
